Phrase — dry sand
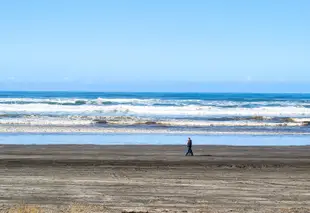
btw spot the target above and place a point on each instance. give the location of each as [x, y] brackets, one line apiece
[156, 178]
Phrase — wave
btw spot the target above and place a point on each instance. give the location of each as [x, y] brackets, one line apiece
[147, 123]
[135, 121]
[42, 122]
[227, 124]
[153, 112]
[154, 102]
[112, 130]
[173, 111]
[73, 102]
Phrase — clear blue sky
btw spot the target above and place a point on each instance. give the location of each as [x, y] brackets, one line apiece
[72, 44]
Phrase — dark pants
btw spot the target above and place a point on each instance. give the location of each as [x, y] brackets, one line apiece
[189, 151]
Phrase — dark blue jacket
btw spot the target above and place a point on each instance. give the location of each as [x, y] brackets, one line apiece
[189, 144]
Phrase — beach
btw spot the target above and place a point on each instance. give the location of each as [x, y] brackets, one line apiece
[148, 178]
[124, 152]
[102, 101]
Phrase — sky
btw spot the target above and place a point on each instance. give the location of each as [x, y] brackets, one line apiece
[171, 45]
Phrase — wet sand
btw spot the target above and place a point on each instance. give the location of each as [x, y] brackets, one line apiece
[156, 178]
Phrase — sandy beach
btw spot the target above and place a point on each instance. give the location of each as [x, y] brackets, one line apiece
[155, 178]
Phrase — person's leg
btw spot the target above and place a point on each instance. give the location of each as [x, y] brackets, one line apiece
[188, 152]
[191, 152]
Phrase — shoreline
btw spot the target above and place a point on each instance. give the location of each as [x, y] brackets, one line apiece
[102, 130]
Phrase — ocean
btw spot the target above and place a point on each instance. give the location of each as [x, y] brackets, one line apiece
[155, 113]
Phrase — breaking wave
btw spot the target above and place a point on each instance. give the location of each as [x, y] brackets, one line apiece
[156, 112]
[190, 110]
[148, 122]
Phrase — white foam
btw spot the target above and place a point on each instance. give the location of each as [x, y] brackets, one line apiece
[149, 101]
[48, 129]
[41, 100]
[226, 123]
[301, 120]
[123, 121]
[45, 122]
[156, 110]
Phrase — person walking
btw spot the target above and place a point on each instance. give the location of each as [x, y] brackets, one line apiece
[189, 147]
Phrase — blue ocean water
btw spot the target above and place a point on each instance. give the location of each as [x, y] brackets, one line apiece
[204, 112]
[163, 96]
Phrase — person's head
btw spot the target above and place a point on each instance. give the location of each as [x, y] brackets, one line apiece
[189, 138]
